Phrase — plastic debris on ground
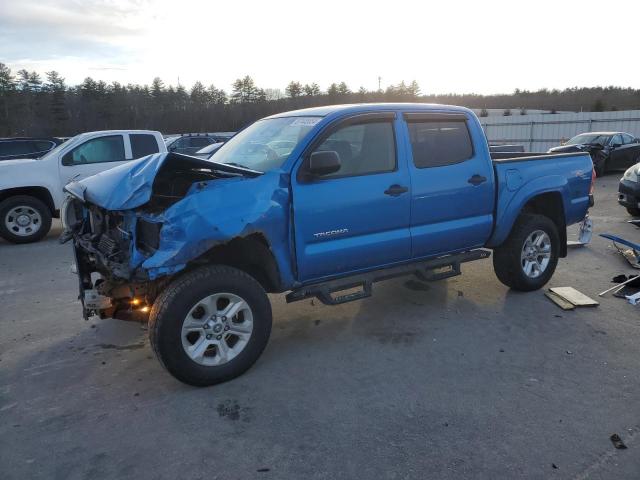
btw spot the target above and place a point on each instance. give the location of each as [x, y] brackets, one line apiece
[627, 287]
[585, 234]
[632, 255]
[617, 442]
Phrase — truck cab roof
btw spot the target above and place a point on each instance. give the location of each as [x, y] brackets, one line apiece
[369, 107]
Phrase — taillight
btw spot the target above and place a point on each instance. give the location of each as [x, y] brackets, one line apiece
[593, 181]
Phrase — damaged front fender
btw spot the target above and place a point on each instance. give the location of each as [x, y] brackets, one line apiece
[217, 213]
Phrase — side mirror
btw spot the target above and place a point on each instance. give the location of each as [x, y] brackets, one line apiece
[172, 148]
[324, 163]
[616, 145]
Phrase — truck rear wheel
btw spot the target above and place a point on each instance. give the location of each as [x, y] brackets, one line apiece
[210, 325]
[24, 219]
[528, 258]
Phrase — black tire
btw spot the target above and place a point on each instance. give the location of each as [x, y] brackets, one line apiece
[31, 203]
[173, 305]
[633, 211]
[507, 261]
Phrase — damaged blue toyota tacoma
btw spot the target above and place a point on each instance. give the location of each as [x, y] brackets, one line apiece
[320, 203]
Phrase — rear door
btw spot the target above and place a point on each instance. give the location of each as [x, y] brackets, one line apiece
[358, 217]
[452, 197]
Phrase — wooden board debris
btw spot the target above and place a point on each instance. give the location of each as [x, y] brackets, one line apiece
[558, 300]
[573, 296]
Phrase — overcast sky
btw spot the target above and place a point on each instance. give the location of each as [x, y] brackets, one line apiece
[482, 46]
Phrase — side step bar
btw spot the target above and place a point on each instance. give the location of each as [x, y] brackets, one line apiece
[429, 270]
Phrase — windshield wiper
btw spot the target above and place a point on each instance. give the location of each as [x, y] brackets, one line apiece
[236, 168]
[237, 165]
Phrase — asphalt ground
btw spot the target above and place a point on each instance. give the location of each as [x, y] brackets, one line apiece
[455, 379]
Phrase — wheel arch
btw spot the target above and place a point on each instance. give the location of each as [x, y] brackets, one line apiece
[41, 193]
[252, 254]
[551, 206]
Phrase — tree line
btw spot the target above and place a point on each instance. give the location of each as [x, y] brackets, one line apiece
[31, 105]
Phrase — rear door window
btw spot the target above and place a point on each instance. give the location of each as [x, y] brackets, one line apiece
[143, 145]
[436, 143]
[627, 139]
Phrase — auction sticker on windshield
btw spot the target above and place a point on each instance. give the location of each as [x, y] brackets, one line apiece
[305, 122]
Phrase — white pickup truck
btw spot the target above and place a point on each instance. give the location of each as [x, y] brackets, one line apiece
[31, 189]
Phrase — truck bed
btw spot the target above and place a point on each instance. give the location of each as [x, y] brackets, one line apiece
[518, 176]
[514, 156]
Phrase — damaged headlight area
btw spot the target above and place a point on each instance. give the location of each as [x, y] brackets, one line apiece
[632, 174]
[100, 234]
[102, 249]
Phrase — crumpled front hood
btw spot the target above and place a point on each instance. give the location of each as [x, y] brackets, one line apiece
[130, 185]
[579, 147]
[124, 187]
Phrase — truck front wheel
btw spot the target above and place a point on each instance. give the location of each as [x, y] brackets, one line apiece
[210, 325]
[24, 219]
[527, 259]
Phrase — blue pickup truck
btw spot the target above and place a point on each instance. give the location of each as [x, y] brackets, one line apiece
[320, 203]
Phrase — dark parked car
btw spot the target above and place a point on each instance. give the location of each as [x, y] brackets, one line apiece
[629, 190]
[26, 147]
[609, 150]
[190, 143]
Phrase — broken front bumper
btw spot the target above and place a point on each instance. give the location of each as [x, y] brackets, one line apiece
[108, 298]
[101, 248]
[629, 194]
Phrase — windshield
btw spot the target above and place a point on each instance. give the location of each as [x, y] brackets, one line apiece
[266, 144]
[586, 138]
[54, 151]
